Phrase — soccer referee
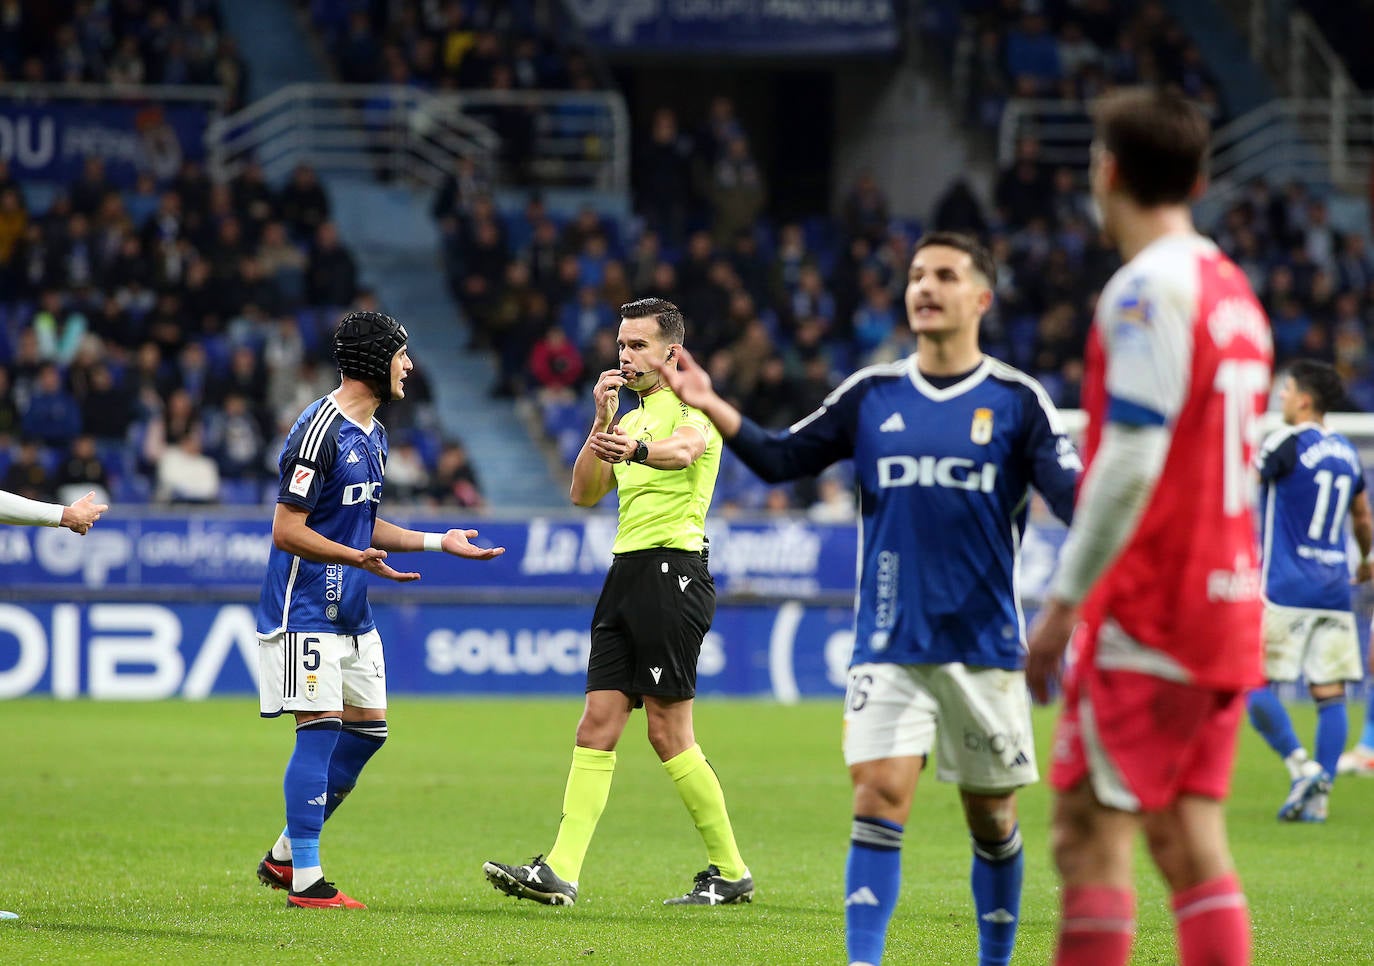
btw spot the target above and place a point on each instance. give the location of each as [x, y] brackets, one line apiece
[655, 608]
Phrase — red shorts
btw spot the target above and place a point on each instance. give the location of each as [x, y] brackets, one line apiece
[1144, 741]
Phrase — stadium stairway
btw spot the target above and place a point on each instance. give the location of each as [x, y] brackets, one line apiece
[275, 45]
[397, 246]
[1244, 84]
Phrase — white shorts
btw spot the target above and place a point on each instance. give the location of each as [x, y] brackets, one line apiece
[1320, 644]
[312, 671]
[981, 714]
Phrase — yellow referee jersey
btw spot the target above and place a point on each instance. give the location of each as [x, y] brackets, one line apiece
[665, 508]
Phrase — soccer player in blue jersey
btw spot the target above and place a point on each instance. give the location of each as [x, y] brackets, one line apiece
[946, 446]
[321, 656]
[1311, 481]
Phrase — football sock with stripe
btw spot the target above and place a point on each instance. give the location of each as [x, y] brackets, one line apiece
[306, 787]
[996, 880]
[1271, 720]
[872, 882]
[1213, 923]
[1096, 926]
[697, 784]
[358, 742]
[584, 799]
[1332, 728]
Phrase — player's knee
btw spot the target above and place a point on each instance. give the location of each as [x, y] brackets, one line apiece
[991, 819]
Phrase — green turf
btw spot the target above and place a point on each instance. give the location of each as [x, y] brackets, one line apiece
[130, 832]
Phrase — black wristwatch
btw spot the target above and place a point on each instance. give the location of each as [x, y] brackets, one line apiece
[641, 453]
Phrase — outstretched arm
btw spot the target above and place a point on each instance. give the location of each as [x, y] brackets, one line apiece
[292, 534]
[804, 450]
[396, 539]
[78, 517]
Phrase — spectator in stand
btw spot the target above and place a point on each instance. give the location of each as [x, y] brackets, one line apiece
[454, 482]
[665, 177]
[865, 210]
[81, 472]
[185, 474]
[736, 191]
[59, 329]
[105, 410]
[407, 477]
[52, 416]
[556, 366]
[303, 203]
[331, 273]
[26, 475]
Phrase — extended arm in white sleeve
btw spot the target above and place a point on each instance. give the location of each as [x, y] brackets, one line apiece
[15, 509]
[1114, 495]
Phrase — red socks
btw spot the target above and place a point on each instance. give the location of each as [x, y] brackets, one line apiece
[1213, 923]
[1096, 926]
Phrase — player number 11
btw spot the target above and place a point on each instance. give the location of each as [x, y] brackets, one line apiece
[1242, 383]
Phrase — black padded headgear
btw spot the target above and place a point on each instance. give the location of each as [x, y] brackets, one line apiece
[364, 344]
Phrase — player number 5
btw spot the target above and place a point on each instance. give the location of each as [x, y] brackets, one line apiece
[1242, 384]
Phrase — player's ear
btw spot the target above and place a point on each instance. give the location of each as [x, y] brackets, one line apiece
[984, 301]
[672, 353]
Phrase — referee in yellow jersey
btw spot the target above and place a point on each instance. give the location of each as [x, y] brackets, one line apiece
[655, 608]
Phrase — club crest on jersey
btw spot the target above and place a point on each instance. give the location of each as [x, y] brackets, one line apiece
[312, 686]
[981, 430]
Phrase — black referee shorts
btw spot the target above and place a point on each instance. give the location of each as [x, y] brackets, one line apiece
[654, 610]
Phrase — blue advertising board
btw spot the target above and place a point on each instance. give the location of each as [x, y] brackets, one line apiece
[50, 140]
[163, 606]
[150, 651]
[794, 27]
[777, 558]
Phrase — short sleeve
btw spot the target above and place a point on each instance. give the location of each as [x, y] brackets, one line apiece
[306, 458]
[1146, 332]
[1278, 456]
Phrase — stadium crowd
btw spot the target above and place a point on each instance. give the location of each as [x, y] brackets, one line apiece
[152, 338]
[123, 44]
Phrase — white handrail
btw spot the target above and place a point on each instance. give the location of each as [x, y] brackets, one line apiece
[171, 93]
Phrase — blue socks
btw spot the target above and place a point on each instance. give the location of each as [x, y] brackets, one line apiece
[1367, 736]
[1332, 727]
[306, 788]
[1271, 720]
[996, 880]
[358, 742]
[872, 881]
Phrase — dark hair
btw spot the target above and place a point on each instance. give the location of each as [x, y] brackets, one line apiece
[981, 257]
[1321, 382]
[670, 322]
[1159, 139]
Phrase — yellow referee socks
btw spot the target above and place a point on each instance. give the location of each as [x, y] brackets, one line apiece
[584, 799]
[700, 790]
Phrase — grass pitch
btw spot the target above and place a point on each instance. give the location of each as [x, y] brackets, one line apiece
[130, 833]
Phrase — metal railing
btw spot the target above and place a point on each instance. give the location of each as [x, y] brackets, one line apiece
[577, 138]
[377, 129]
[168, 93]
[1324, 142]
[555, 137]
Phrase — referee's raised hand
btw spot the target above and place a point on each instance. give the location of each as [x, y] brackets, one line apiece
[607, 396]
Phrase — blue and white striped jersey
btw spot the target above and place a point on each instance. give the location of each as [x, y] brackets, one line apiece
[1308, 476]
[943, 477]
[333, 468]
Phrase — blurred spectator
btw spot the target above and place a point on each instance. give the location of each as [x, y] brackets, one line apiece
[406, 475]
[665, 177]
[52, 417]
[303, 204]
[26, 475]
[555, 364]
[81, 472]
[59, 329]
[185, 474]
[454, 482]
[865, 210]
[105, 410]
[331, 273]
[736, 191]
